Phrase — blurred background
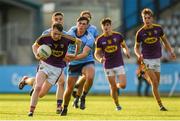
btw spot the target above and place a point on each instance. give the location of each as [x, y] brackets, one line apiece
[22, 21]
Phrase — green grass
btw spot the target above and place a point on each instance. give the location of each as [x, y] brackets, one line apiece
[16, 107]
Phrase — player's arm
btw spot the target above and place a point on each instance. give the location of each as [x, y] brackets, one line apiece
[168, 47]
[70, 57]
[78, 45]
[137, 47]
[125, 49]
[84, 53]
[35, 47]
[98, 55]
[137, 51]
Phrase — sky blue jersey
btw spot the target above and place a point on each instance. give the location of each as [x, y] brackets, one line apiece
[47, 31]
[91, 28]
[87, 40]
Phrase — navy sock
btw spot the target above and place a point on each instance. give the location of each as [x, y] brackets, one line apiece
[84, 95]
[59, 103]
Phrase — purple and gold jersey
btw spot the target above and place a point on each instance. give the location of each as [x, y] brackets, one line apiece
[150, 38]
[59, 48]
[111, 48]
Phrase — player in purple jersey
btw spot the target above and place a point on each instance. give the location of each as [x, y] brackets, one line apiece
[57, 17]
[109, 44]
[149, 37]
[50, 69]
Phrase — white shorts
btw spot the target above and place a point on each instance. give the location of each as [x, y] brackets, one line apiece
[53, 73]
[115, 71]
[154, 64]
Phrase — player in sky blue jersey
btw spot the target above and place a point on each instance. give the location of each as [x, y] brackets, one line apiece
[57, 17]
[93, 30]
[83, 63]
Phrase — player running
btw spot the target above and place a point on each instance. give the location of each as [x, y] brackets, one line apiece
[78, 88]
[57, 17]
[83, 64]
[109, 43]
[50, 69]
[149, 37]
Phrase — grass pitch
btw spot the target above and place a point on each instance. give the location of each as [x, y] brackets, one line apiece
[16, 107]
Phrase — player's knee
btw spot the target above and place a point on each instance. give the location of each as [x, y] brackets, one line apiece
[113, 88]
[123, 86]
[90, 82]
[90, 79]
[41, 95]
[37, 89]
[61, 83]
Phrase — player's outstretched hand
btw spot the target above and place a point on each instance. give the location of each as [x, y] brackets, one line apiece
[173, 56]
[69, 57]
[38, 57]
[128, 55]
[140, 58]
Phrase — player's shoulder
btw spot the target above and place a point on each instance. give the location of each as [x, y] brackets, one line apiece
[141, 29]
[157, 26]
[100, 37]
[88, 37]
[72, 28]
[45, 36]
[116, 33]
[89, 34]
[68, 36]
[93, 26]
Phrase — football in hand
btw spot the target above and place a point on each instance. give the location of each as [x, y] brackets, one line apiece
[44, 51]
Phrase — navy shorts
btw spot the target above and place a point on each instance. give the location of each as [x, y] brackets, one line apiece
[76, 70]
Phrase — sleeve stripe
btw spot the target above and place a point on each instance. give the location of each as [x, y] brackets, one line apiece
[98, 48]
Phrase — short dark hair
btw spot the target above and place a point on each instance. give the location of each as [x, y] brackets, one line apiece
[58, 26]
[106, 20]
[57, 14]
[81, 18]
[146, 11]
[86, 12]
